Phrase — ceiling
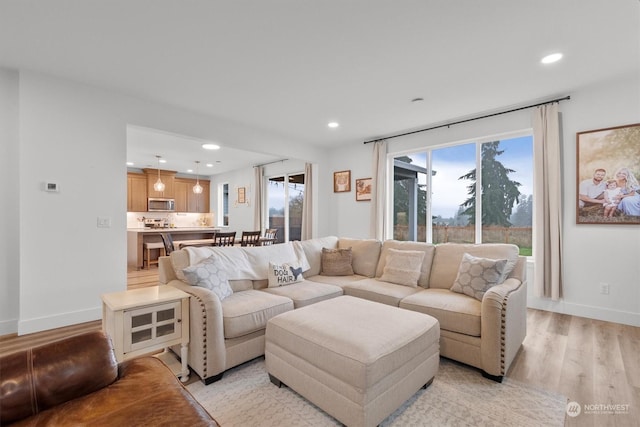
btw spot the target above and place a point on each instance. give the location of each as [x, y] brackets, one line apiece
[291, 66]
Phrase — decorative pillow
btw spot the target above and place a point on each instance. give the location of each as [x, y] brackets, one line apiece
[403, 267]
[209, 274]
[336, 262]
[285, 274]
[477, 275]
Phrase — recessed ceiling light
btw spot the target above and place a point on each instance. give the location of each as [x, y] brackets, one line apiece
[333, 125]
[189, 170]
[209, 165]
[162, 161]
[210, 146]
[129, 163]
[550, 59]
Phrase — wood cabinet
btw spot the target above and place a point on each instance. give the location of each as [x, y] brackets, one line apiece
[187, 200]
[140, 321]
[167, 177]
[136, 192]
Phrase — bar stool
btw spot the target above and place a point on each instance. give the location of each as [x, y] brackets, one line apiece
[148, 247]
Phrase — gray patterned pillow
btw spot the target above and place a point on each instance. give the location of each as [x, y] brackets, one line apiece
[209, 274]
[477, 275]
[336, 262]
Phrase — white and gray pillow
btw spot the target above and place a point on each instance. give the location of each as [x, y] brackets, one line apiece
[211, 274]
[477, 275]
[284, 274]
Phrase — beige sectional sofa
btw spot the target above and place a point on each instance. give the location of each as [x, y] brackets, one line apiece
[485, 334]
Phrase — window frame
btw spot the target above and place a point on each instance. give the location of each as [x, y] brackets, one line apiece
[478, 141]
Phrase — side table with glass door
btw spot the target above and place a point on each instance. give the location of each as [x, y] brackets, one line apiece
[144, 320]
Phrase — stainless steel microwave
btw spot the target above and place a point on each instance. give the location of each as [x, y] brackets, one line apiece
[161, 205]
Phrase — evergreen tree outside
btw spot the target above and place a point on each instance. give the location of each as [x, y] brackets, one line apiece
[401, 197]
[523, 216]
[499, 193]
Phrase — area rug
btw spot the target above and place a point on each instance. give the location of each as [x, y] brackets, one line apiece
[459, 396]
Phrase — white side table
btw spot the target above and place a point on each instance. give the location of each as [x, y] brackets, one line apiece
[142, 320]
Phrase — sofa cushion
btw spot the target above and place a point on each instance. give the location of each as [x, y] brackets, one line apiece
[427, 248]
[341, 281]
[312, 249]
[378, 291]
[248, 311]
[307, 292]
[284, 274]
[209, 274]
[403, 267]
[476, 275]
[455, 312]
[337, 262]
[366, 253]
[446, 260]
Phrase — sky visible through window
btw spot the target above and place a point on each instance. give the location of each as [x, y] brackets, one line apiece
[452, 162]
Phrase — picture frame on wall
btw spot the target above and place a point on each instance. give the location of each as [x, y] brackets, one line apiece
[242, 195]
[608, 167]
[363, 189]
[342, 181]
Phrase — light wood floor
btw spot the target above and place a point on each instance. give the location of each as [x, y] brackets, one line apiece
[589, 361]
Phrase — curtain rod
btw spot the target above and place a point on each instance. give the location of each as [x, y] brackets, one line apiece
[471, 119]
[275, 161]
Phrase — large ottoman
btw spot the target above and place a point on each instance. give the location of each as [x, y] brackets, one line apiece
[358, 360]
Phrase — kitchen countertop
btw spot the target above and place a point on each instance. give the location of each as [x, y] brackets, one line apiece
[172, 230]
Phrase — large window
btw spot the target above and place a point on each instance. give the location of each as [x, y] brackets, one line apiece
[285, 195]
[223, 204]
[464, 206]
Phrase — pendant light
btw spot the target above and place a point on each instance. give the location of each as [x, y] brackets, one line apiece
[197, 189]
[159, 185]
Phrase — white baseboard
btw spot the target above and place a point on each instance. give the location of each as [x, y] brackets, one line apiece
[28, 326]
[590, 312]
[8, 327]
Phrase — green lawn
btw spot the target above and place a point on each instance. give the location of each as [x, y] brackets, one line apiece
[526, 251]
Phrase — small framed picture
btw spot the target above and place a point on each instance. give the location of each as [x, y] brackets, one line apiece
[363, 189]
[608, 167]
[242, 195]
[342, 181]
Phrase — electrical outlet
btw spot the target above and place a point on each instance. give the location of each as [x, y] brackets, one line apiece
[604, 288]
[104, 222]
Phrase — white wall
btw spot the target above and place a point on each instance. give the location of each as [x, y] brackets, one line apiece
[589, 251]
[9, 195]
[57, 262]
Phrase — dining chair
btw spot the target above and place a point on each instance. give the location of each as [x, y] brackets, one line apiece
[168, 243]
[250, 238]
[269, 236]
[225, 239]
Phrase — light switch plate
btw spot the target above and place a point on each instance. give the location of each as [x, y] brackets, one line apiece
[104, 222]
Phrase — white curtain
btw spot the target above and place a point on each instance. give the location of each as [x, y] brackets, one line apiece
[307, 204]
[258, 219]
[378, 190]
[548, 209]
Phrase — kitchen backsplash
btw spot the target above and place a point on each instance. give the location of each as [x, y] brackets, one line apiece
[135, 219]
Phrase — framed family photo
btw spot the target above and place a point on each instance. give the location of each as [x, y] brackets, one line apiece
[608, 167]
[342, 181]
[363, 189]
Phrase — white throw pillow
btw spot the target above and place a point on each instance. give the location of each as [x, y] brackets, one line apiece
[477, 275]
[403, 267]
[284, 274]
[210, 274]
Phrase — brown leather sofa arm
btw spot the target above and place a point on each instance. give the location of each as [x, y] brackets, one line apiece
[40, 378]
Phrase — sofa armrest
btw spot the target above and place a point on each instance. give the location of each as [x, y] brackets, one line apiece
[42, 377]
[207, 355]
[503, 325]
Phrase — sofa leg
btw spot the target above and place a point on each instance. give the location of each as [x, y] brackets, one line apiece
[496, 378]
[213, 379]
[428, 383]
[276, 381]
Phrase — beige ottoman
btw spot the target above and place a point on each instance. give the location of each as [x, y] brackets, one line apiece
[357, 360]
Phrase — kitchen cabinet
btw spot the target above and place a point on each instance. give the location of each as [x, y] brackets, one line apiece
[136, 192]
[167, 177]
[187, 200]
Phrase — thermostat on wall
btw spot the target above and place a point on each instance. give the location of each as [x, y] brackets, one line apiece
[51, 187]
